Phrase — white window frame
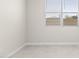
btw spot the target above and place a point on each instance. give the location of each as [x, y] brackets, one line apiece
[61, 13]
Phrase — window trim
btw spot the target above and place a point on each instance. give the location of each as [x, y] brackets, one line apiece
[61, 13]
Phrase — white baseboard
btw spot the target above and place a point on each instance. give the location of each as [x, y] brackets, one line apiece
[15, 51]
[52, 43]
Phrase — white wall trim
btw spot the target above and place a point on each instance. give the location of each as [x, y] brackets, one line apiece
[53, 43]
[15, 51]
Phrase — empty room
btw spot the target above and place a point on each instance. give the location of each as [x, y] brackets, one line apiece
[39, 28]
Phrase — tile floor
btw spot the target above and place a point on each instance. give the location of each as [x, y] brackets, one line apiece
[52, 51]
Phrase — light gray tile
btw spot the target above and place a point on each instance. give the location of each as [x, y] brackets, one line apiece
[48, 52]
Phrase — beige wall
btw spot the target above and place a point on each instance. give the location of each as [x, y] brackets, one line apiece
[39, 32]
[12, 25]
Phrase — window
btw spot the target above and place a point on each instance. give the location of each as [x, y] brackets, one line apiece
[53, 19]
[70, 19]
[61, 12]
